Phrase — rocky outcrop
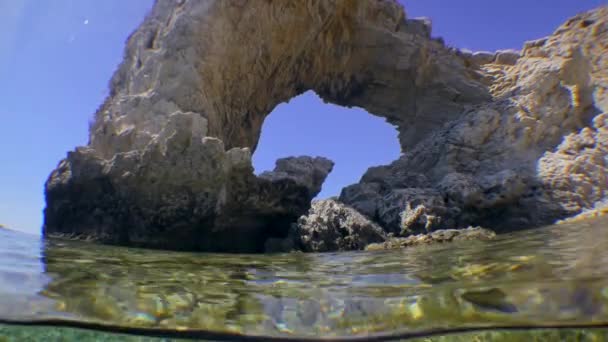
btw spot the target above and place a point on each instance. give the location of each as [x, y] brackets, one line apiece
[505, 140]
[600, 211]
[183, 191]
[533, 154]
[332, 226]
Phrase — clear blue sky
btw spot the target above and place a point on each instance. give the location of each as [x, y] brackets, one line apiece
[57, 56]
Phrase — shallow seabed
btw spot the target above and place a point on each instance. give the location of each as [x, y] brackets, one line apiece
[556, 275]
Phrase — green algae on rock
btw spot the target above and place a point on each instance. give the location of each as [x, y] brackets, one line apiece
[438, 236]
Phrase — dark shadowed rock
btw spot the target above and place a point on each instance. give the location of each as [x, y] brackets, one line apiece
[197, 197]
[533, 155]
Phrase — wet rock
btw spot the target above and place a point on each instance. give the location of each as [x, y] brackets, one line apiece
[439, 236]
[183, 192]
[333, 226]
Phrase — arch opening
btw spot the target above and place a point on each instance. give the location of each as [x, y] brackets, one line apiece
[351, 137]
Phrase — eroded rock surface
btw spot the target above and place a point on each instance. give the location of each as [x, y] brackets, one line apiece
[333, 226]
[183, 191]
[438, 236]
[533, 154]
[503, 140]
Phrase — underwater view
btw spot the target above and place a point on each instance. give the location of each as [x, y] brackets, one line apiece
[553, 276]
[303, 170]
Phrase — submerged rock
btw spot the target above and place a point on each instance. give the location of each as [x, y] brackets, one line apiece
[333, 226]
[515, 139]
[439, 236]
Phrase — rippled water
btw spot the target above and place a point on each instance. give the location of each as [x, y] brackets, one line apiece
[551, 276]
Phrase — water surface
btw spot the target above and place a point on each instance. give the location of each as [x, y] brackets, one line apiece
[556, 275]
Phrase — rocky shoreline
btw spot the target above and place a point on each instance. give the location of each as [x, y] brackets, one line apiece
[505, 140]
[438, 236]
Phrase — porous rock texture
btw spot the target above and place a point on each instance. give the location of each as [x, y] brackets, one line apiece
[536, 152]
[333, 226]
[505, 140]
[438, 236]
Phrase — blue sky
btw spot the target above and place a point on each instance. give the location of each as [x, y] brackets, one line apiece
[57, 56]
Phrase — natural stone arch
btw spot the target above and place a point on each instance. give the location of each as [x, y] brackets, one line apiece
[351, 137]
[221, 61]
[169, 159]
[213, 70]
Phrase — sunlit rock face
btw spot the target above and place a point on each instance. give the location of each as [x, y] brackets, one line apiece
[487, 138]
[534, 153]
[333, 226]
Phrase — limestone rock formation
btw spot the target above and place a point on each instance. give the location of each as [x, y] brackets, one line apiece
[183, 191]
[504, 140]
[305, 171]
[333, 226]
[168, 163]
[534, 153]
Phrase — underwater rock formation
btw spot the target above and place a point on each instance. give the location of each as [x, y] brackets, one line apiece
[438, 236]
[504, 140]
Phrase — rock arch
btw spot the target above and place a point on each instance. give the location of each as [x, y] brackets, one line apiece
[169, 159]
[351, 137]
[223, 61]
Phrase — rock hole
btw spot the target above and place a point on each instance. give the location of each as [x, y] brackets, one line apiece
[353, 138]
[587, 23]
[151, 40]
